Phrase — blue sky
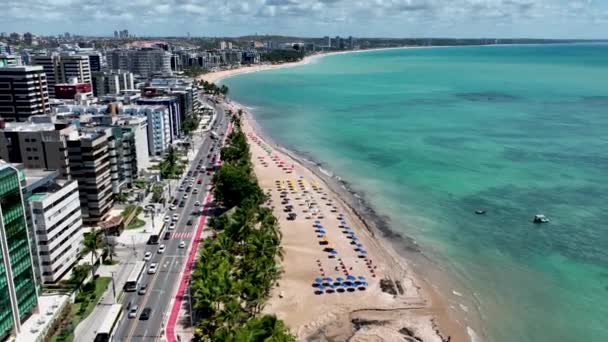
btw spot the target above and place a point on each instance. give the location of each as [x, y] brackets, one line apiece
[371, 18]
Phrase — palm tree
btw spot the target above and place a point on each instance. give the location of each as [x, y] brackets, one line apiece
[92, 243]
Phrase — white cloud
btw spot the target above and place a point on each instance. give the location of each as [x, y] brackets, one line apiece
[303, 17]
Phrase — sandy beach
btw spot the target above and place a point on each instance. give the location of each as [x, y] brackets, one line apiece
[328, 244]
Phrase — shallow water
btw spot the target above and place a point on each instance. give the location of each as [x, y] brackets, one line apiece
[431, 135]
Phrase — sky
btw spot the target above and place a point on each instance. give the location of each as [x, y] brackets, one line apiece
[312, 18]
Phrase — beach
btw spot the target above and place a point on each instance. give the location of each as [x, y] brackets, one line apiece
[389, 304]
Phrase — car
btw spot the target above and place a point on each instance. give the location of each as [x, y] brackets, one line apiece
[182, 204]
[189, 173]
[161, 249]
[197, 204]
[142, 289]
[133, 311]
[167, 236]
[185, 196]
[195, 191]
[153, 267]
[172, 207]
[171, 226]
[192, 179]
[208, 173]
[181, 188]
[189, 222]
[200, 181]
[175, 201]
[147, 256]
[145, 314]
[189, 188]
[182, 244]
[175, 217]
[167, 218]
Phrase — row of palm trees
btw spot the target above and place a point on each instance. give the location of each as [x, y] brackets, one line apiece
[236, 271]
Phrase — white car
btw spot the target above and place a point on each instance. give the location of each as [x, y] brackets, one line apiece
[185, 196]
[147, 256]
[195, 191]
[182, 244]
[197, 203]
[172, 207]
[167, 218]
[171, 226]
[175, 217]
[133, 311]
[161, 249]
[152, 269]
[181, 188]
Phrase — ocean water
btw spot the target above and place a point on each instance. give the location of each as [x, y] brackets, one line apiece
[429, 135]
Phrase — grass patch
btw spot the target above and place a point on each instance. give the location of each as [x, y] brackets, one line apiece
[136, 223]
[85, 303]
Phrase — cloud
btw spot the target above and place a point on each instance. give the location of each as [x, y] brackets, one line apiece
[303, 17]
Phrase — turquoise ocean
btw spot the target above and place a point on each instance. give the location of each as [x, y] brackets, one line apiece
[429, 135]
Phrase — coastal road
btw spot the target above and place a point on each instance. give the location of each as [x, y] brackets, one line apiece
[163, 284]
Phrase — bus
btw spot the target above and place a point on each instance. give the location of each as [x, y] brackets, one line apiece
[133, 281]
[105, 332]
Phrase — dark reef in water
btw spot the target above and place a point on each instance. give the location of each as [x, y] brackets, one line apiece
[487, 96]
[599, 100]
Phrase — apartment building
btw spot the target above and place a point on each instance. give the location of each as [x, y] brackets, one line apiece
[89, 157]
[60, 69]
[144, 62]
[55, 220]
[18, 289]
[23, 92]
[37, 145]
[111, 82]
[50, 65]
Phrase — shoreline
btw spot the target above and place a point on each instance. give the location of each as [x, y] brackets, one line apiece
[428, 311]
[218, 76]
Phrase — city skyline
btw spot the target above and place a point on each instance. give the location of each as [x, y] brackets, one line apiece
[585, 19]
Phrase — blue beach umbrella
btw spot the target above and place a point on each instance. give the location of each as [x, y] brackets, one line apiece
[317, 222]
[318, 280]
[350, 277]
[329, 279]
[362, 278]
[340, 279]
[330, 289]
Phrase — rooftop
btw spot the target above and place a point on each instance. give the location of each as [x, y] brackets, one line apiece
[23, 68]
[28, 127]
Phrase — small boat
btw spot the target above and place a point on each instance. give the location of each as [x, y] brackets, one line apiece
[540, 219]
[480, 212]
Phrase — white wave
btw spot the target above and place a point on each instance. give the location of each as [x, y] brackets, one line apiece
[473, 337]
[457, 293]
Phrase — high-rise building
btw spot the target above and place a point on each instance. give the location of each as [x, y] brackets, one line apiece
[172, 105]
[94, 61]
[89, 157]
[55, 221]
[36, 145]
[28, 38]
[62, 68]
[50, 64]
[9, 60]
[111, 82]
[144, 62]
[23, 93]
[5, 49]
[18, 289]
[74, 66]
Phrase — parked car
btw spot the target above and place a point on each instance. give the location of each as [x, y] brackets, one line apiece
[161, 249]
[147, 256]
[167, 236]
[175, 217]
[153, 267]
[182, 244]
[171, 226]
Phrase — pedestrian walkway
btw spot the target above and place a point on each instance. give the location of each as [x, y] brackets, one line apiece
[182, 235]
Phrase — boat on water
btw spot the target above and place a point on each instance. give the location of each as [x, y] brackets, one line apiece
[480, 212]
[540, 219]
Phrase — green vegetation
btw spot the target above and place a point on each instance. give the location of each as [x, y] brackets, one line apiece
[171, 166]
[120, 198]
[136, 223]
[236, 270]
[211, 88]
[83, 305]
[130, 209]
[191, 124]
[194, 71]
[140, 183]
[157, 193]
[282, 56]
[92, 242]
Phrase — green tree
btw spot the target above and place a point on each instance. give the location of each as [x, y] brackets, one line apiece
[92, 243]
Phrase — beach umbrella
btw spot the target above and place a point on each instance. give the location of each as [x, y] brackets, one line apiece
[351, 278]
[362, 278]
[330, 279]
[317, 222]
[333, 252]
[360, 245]
[320, 289]
[318, 280]
[330, 289]
[320, 231]
[340, 279]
